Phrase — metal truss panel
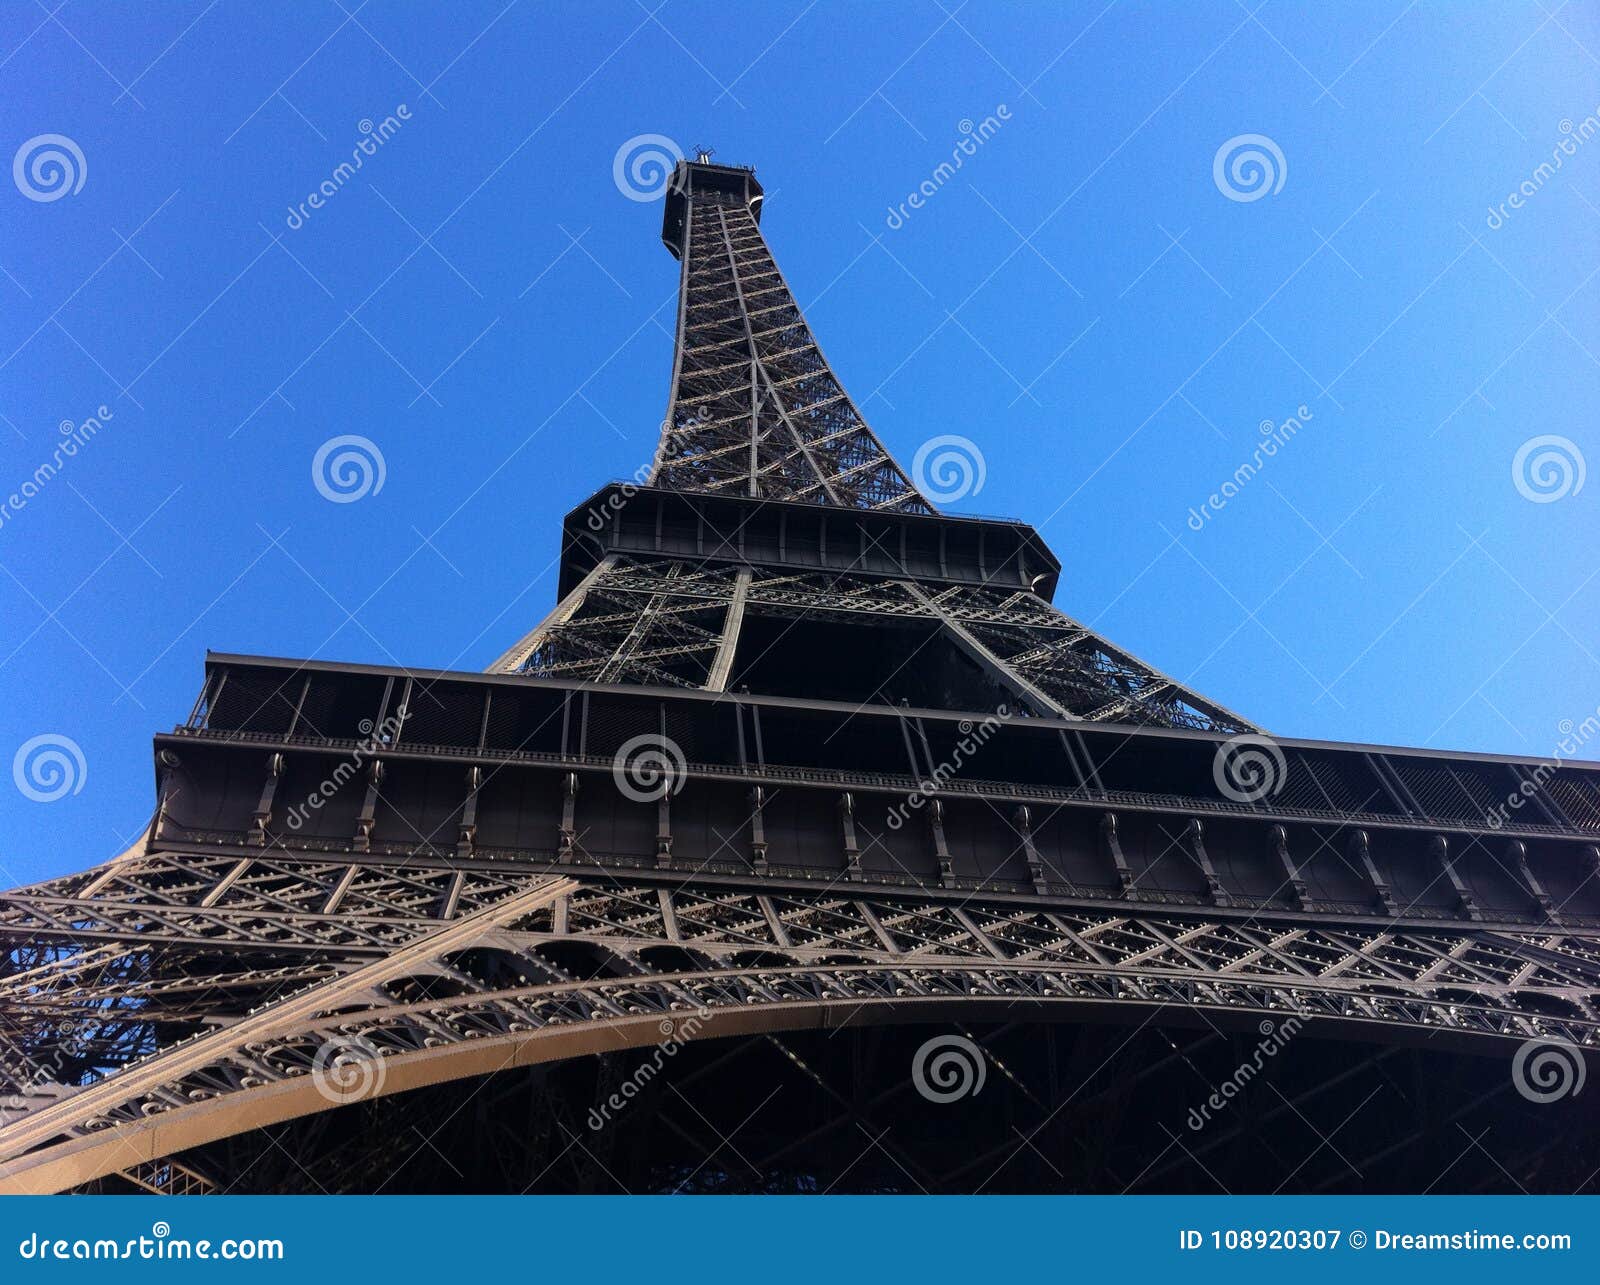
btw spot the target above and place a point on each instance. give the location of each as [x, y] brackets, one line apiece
[522, 970]
[756, 410]
[671, 622]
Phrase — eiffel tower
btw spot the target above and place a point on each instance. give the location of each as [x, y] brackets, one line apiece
[805, 845]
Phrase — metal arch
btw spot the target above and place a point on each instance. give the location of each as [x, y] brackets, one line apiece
[272, 1080]
[480, 1036]
[880, 958]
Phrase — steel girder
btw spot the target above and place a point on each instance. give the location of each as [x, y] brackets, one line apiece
[756, 410]
[666, 622]
[211, 1017]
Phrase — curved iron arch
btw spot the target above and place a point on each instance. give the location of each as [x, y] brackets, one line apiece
[391, 1050]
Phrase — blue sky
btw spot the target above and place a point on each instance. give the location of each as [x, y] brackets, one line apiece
[1083, 300]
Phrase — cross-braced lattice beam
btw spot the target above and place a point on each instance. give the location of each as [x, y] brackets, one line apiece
[556, 968]
[756, 410]
[668, 622]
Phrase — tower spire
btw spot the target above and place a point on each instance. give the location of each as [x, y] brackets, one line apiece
[779, 547]
[755, 409]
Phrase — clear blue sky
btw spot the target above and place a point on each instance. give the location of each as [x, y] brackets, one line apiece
[482, 303]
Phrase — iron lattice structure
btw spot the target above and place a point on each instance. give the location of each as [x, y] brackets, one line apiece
[896, 794]
[755, 408]
[756, 412]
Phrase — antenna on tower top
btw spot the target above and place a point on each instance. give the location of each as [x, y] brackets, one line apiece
[702, 154]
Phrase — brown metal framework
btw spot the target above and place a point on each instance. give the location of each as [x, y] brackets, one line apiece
[444, 876]
[755, 408]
